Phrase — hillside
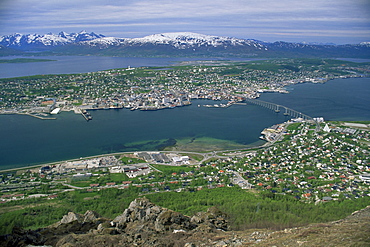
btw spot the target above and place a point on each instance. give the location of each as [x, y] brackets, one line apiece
[146, 224]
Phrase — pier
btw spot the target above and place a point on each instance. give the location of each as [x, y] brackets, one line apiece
[36, 116]
[287, 111]
[86, 115]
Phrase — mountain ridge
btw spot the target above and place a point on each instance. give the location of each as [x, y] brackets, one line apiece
[174, 44]
[26, 41]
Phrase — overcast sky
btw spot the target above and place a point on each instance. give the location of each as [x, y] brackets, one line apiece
[336, 21]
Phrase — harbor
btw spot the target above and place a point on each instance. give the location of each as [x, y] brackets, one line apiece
[87, 116]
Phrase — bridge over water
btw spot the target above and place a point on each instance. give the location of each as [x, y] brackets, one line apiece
[278, 108]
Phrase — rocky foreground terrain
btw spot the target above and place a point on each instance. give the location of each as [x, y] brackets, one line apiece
[146, 224]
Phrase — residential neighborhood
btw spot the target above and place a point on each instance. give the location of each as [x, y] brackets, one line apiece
[312, 166]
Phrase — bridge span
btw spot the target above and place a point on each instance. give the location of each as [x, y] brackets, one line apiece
[278, 108]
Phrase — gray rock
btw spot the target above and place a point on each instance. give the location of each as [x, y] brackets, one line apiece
[70, 217]
[142, 211]
[189, 245]
[91, 216]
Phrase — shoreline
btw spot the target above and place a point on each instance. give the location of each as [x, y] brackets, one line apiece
[129, 152]
[28, 114]
[246, 149]
[281, 90]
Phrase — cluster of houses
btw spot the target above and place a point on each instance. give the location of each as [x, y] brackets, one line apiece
[148, 89]
[314, 165]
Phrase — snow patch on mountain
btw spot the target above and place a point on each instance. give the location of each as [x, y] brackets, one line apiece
[182, 40]
[104, 42]
[50, 39]
[179, 40]
[367, 44]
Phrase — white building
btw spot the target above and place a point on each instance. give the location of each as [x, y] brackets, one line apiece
[326, 128]
[365, 177]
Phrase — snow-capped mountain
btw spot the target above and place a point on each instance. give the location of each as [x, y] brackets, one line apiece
[185, 40]
[181, 40]
[173, 44]
[27, 41]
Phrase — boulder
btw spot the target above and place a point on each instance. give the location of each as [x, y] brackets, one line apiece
[70, 217]
[213, 218]
[91, 216]
[142, 214]
[169, 220]
[139, 210]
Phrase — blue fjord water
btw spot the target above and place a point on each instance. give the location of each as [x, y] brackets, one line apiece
[85, 64]
[27, 141]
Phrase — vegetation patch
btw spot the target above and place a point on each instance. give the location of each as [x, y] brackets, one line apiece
[173, 169]
[203, 144]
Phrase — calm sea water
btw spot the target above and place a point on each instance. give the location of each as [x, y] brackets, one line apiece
[84, 64]
[27, 141]
[340, 99]
[76, 64]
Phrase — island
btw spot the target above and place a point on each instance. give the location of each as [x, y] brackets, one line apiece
[165, 88]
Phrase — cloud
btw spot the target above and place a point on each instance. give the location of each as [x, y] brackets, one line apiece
[142, 17]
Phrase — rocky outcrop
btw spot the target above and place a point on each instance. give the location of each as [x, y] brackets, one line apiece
[213, 218]
[89, 216]
[142, 211]
[70, 217]
[146, 224]
[142, 223]
[72, 223]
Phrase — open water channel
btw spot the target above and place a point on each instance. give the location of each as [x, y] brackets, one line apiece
[28, 141]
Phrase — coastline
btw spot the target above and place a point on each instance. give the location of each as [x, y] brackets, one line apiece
[28, 114]
[247, 148]
[232, 101]
[38, 117]
[205, 153]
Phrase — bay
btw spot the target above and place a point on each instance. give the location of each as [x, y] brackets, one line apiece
[27, 141]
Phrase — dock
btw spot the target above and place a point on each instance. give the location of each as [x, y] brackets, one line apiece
[36, 116]
[86, 115]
